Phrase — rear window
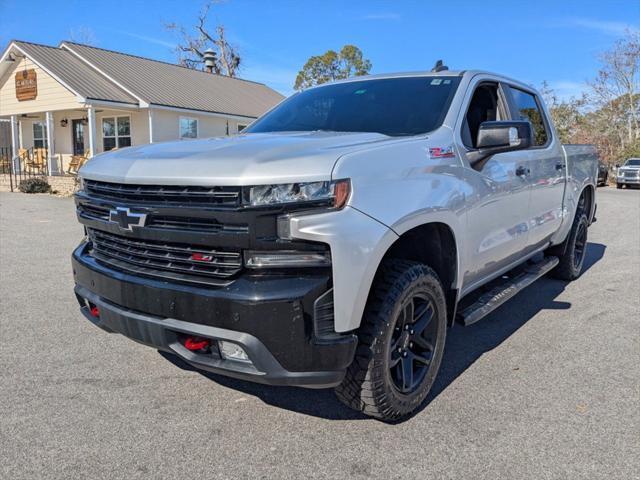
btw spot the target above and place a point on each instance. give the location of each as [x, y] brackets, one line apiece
[393, 106]
[528, 109]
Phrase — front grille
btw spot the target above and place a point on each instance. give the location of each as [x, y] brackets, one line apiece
[166, 222]
[166, 194]
[631, 174]
[164, 260]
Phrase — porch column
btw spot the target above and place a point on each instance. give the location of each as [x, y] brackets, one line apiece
[15, 142]
[150, 125]
[52, 166]
[91, 114]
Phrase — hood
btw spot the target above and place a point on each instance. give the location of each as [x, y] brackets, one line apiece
[249, 159]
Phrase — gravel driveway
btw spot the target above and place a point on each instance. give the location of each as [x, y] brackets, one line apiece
[545, 387]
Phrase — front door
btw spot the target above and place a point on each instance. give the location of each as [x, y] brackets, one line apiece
[77, 127]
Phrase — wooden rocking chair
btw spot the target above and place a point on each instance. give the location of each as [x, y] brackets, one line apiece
[76, 162]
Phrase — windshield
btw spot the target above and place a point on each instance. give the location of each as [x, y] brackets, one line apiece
[392, 106]
[633, 162]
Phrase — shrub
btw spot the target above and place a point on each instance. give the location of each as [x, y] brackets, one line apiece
[34, 185]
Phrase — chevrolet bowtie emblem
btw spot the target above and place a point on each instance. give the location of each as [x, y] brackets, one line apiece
[127, 220]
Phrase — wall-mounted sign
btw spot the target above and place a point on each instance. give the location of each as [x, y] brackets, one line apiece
[26, 85]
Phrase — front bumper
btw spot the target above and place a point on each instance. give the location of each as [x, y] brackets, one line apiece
[271, 317]
[628, 180]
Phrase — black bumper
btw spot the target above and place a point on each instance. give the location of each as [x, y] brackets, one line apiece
[271, 317]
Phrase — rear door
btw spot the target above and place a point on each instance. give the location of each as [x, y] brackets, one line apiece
[545, 161]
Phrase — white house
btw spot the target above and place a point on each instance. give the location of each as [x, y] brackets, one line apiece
[80, 100]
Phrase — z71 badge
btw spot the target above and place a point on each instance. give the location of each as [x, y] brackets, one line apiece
[441, 152]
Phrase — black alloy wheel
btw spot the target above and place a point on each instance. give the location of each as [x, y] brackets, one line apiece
[412, 343]
[580, 246]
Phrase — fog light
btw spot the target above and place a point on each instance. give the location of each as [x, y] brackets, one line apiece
[233, 351]
[286, 259]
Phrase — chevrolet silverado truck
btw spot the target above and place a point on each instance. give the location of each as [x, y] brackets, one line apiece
[629, 173]
[334, 241]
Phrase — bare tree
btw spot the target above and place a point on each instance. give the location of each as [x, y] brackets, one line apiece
[567, 115]
[616, 88]
[190, 50]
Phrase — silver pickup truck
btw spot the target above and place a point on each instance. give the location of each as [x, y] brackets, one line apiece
[629, 173]
[333, 242]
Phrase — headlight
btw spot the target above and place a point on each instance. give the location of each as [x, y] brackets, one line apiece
[335, 193]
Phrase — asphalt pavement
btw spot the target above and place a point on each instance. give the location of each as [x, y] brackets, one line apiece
[546, 387]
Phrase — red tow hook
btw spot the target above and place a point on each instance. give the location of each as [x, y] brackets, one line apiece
[94, 312]
[196, 343]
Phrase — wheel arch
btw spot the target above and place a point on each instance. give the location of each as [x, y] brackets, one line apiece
[435, 244]
[589, 195]
[585, 202]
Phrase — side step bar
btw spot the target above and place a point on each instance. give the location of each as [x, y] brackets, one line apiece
[498, 295]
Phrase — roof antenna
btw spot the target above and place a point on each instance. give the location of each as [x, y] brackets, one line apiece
[439, 67]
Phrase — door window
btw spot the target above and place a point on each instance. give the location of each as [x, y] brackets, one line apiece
[116, 132]
[485, 106]
[527, 108]
[78, 137]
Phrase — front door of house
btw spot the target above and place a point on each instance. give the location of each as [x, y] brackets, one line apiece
[77, 126]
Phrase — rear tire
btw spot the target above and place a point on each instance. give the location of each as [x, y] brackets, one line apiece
[401, 342]
[572, 260]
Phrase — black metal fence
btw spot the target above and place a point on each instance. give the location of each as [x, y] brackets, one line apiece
[28, 163]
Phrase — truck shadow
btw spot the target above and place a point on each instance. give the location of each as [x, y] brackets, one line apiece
[464, 346]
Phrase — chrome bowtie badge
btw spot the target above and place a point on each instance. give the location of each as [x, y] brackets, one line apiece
[127, 220]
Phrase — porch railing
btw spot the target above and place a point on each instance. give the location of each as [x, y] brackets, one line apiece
[5, 160]
[27, 163]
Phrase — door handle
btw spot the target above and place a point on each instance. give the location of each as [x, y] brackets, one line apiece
[522, 171]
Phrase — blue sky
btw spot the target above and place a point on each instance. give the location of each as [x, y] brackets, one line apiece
[557, 41]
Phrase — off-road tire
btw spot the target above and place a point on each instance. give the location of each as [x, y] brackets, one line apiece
[618, 185]
[368, 386]
[570, 267]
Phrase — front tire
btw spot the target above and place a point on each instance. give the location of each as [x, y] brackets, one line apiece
[618, 185]
[401, 342]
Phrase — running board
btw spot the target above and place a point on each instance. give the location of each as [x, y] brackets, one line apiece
[489, 301]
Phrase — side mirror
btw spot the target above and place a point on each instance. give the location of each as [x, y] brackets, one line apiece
[500, 137]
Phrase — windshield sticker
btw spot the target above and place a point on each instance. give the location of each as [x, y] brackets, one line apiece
[436, 81]
[360, 92]
[441, 152]
[446, 82]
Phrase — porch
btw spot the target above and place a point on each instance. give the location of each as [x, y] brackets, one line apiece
[57, 143]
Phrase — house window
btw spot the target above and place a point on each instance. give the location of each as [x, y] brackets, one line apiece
[40, 135]
[188, 127]
[116, 132]
[241, 127]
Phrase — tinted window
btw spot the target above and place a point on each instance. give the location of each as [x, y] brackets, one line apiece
[633, 162]
[528, 109]
[394, 106]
